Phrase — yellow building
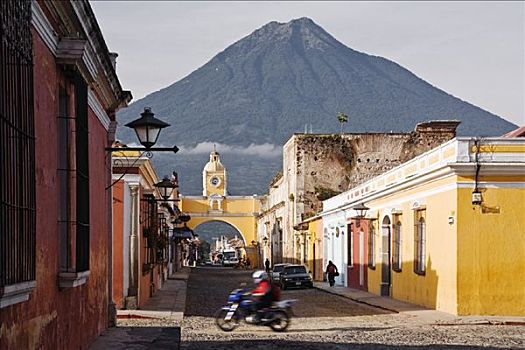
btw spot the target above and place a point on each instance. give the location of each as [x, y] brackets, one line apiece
[445, 230]
[216, 205]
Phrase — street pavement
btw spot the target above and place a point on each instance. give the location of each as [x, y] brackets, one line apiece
[154, 326]
[324, 318]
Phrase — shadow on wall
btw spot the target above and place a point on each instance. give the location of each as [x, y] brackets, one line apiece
[412, 287]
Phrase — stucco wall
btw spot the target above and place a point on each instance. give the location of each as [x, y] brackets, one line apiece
[491, 243]
[52, 318]
[437, 288]
[118, 244]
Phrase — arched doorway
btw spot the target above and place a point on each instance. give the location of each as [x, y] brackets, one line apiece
[385, 257]
[220, 243]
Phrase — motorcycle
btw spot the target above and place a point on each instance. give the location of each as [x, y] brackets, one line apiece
[240, 307]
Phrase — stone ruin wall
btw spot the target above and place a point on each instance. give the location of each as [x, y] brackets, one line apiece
[332, 162]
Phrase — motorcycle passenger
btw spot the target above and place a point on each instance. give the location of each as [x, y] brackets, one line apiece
[262, 295]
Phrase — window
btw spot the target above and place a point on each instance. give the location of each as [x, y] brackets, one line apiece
[64, 173]
[82, 174]
[149, 220]
[73, 180]
[371, 246]
[420, 241]
[396, 254]
[17, 155]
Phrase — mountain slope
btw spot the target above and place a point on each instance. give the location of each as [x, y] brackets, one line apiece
[281, 77]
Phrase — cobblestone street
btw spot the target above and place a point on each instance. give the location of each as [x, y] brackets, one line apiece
[325, 321]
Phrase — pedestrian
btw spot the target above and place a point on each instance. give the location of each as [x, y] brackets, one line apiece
[267, 265]
[248, 263]
[331, 272]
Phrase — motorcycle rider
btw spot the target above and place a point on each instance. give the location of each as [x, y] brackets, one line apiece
[262, 295]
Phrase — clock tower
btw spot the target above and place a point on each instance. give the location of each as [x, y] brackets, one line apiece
[214, 179]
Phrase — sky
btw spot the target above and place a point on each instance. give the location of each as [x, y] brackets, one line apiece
[472, 50]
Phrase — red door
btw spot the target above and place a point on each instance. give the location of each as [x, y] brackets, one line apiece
[357, 254]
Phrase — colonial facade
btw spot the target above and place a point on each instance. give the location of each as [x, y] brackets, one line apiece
[60, 94]
[316, 167]
[142, 222]
[444, 230]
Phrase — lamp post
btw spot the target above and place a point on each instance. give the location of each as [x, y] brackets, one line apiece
[361, 210]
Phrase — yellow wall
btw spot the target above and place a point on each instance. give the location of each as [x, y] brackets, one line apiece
[437, 288]
[315, 228]
[232, 206]
[491, 242]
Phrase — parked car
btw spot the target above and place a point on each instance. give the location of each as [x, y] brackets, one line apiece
[277, 269]
[295, 276]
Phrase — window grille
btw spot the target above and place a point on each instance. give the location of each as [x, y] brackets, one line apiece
[371, 246]
[17, 145]
[396, 254]
[64, 173]
[82, 173]
[420, 241]
[149, 219]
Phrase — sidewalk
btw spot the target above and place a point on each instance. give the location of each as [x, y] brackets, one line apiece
[165, 307]
[421, 313]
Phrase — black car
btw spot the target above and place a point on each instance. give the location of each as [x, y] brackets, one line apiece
[295, 276]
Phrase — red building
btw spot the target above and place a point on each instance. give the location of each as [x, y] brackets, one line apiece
[58, 96]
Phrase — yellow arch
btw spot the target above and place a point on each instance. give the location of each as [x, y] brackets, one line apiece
[195, 223]
[238, 211]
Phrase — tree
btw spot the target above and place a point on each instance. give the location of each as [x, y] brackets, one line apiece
[342, 118]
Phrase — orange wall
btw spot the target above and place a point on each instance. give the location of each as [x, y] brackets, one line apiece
[118, 244]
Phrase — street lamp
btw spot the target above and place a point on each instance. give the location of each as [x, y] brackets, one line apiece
[147, 128]
[166, 187]
[361, 210]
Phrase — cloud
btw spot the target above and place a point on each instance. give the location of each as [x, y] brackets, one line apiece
[266, 150]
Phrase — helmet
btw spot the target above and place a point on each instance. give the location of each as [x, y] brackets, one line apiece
[258, 276]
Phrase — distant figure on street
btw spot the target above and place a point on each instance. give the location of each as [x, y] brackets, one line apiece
[267, 265]
[331, 273]
[248, 263]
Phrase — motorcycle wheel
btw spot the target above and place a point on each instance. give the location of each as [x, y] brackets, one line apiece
[222, 323]
[280, 321]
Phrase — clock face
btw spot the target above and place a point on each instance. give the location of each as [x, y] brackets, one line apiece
[215, 181]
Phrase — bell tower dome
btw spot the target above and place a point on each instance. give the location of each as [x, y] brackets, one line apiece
[214, 180]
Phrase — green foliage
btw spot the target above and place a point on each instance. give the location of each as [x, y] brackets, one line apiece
[323, 193]
[342, 118]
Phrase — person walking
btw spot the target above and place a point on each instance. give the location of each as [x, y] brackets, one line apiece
[267, 265]
[331, 272]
